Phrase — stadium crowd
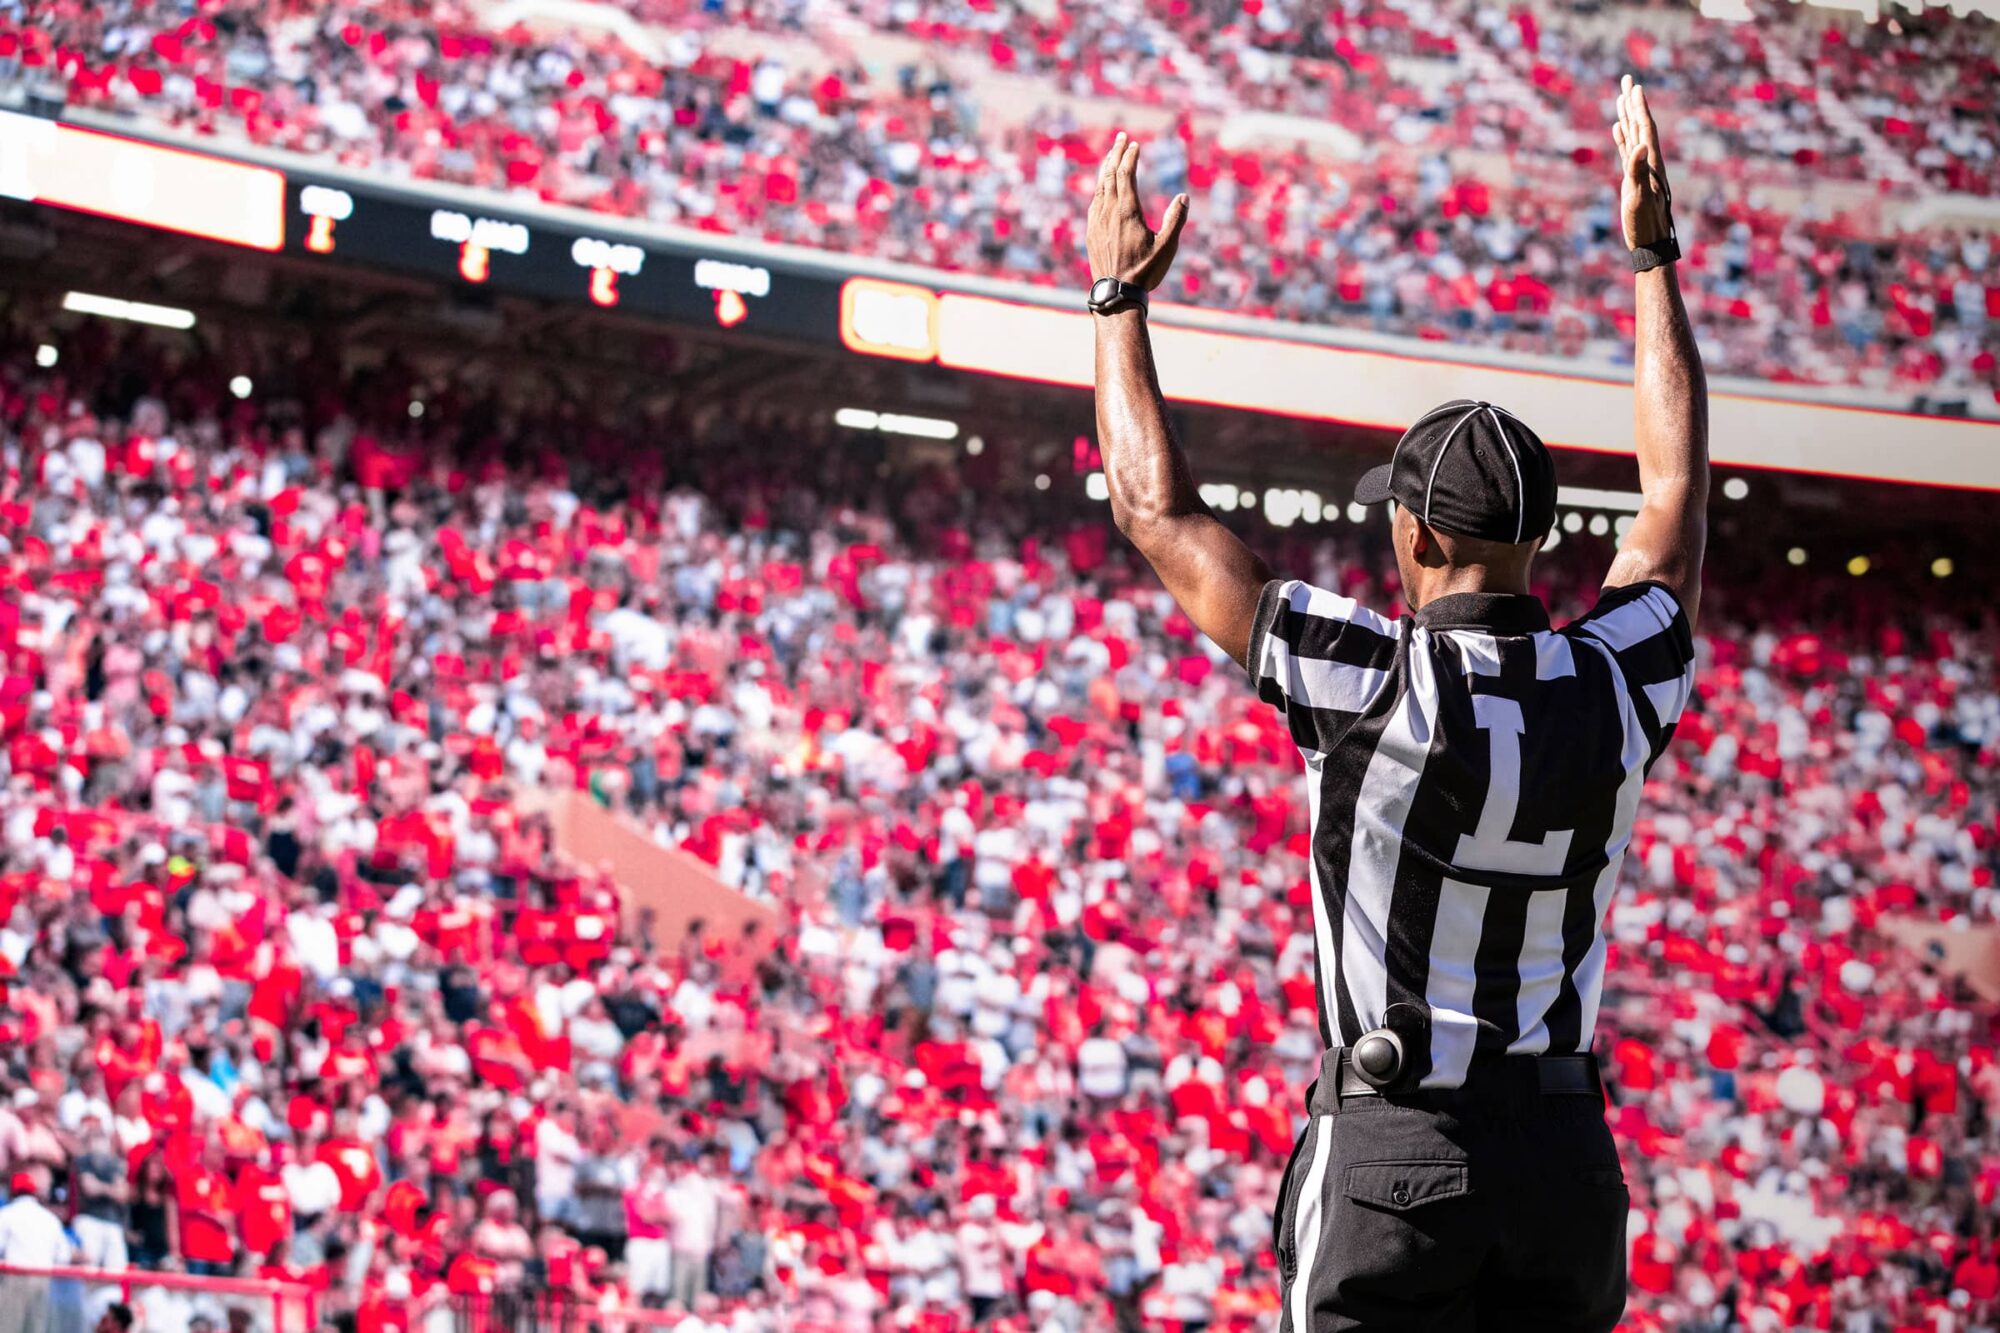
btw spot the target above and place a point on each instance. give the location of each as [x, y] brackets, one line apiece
[297, 986]
[1411, 235]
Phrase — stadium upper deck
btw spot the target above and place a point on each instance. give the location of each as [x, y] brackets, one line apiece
[1414, 168]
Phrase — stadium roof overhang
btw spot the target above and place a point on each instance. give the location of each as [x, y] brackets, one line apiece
[813, 301]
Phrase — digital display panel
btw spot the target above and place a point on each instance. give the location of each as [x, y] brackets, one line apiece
[47, 162]
[525, 256]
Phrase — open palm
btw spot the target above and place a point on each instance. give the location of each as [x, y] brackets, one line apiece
[1643, 195]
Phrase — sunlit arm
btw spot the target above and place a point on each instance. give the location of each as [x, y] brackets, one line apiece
[1670, 408]
[1209, 571]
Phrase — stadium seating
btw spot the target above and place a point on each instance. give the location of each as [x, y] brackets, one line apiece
[1926, 88]
[283, 943]
[1410, 167]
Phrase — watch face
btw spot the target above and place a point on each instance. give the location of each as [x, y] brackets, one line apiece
[1103, 291]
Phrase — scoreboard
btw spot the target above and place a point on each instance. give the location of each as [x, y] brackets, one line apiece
[466, 239]
[457, 242]
[552, 258]
[457, 237]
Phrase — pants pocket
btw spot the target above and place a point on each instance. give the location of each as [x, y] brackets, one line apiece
[1404, 1236]
[1404, 1185]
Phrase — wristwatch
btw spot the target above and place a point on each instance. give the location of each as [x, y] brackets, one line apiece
[1108, 296]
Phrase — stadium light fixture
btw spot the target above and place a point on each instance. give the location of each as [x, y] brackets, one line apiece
[1942, 567]
[1735, 488]
[1286, 505]
[1572, 522]
[137, 312]
[46, 355]
[1586, 497]
[240, 385]
[1858, 566]
[1599, 525]
[896, 423]
[1042, 482]
[1622, 525]
[1555, 538]
[1096, 487]
[929, 428]
[1356, 511]
[416, 407]
[1796, 556]
[975, 446]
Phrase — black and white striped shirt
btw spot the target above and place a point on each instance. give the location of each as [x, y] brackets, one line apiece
[1472, 777]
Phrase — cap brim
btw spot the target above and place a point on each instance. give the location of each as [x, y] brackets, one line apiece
[1373, 488]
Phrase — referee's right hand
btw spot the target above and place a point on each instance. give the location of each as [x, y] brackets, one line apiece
[1121, 245]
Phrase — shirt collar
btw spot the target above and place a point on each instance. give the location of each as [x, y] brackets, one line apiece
[1494, 612]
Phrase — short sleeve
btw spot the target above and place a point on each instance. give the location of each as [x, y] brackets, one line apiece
[1647, 634]
[1318, 658]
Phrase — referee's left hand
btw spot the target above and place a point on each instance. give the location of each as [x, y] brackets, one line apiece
[1643, 194]
[1121, 245]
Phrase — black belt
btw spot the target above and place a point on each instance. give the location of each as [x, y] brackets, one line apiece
[1558, 1075]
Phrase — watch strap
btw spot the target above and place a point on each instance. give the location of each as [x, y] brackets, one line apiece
[1658, 254]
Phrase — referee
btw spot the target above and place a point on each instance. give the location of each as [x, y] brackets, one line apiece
[1472, 775]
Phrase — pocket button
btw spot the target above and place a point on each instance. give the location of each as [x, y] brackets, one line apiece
[1400, 1194]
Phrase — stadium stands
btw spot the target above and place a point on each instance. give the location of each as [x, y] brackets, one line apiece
[1400, 165]
[286, 959]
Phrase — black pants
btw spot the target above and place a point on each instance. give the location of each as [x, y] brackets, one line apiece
[1483, 1208]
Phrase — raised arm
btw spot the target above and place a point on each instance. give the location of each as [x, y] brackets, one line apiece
[1669, 391]
[1206, 567]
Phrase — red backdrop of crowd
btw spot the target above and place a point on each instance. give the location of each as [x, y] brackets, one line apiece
[294, 987]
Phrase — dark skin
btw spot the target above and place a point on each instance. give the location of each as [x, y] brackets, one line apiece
[1216, 579]
[1669, 390]
[1212, 575]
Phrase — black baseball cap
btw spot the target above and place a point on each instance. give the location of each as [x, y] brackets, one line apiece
[1470, 468]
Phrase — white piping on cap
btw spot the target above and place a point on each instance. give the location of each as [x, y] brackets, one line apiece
[1520, 491]
[1410, 430]
[1443, 449]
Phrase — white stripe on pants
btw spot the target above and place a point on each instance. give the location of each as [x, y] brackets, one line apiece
[1306, 1221]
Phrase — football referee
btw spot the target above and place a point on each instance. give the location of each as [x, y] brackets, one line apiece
[1472, 775]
